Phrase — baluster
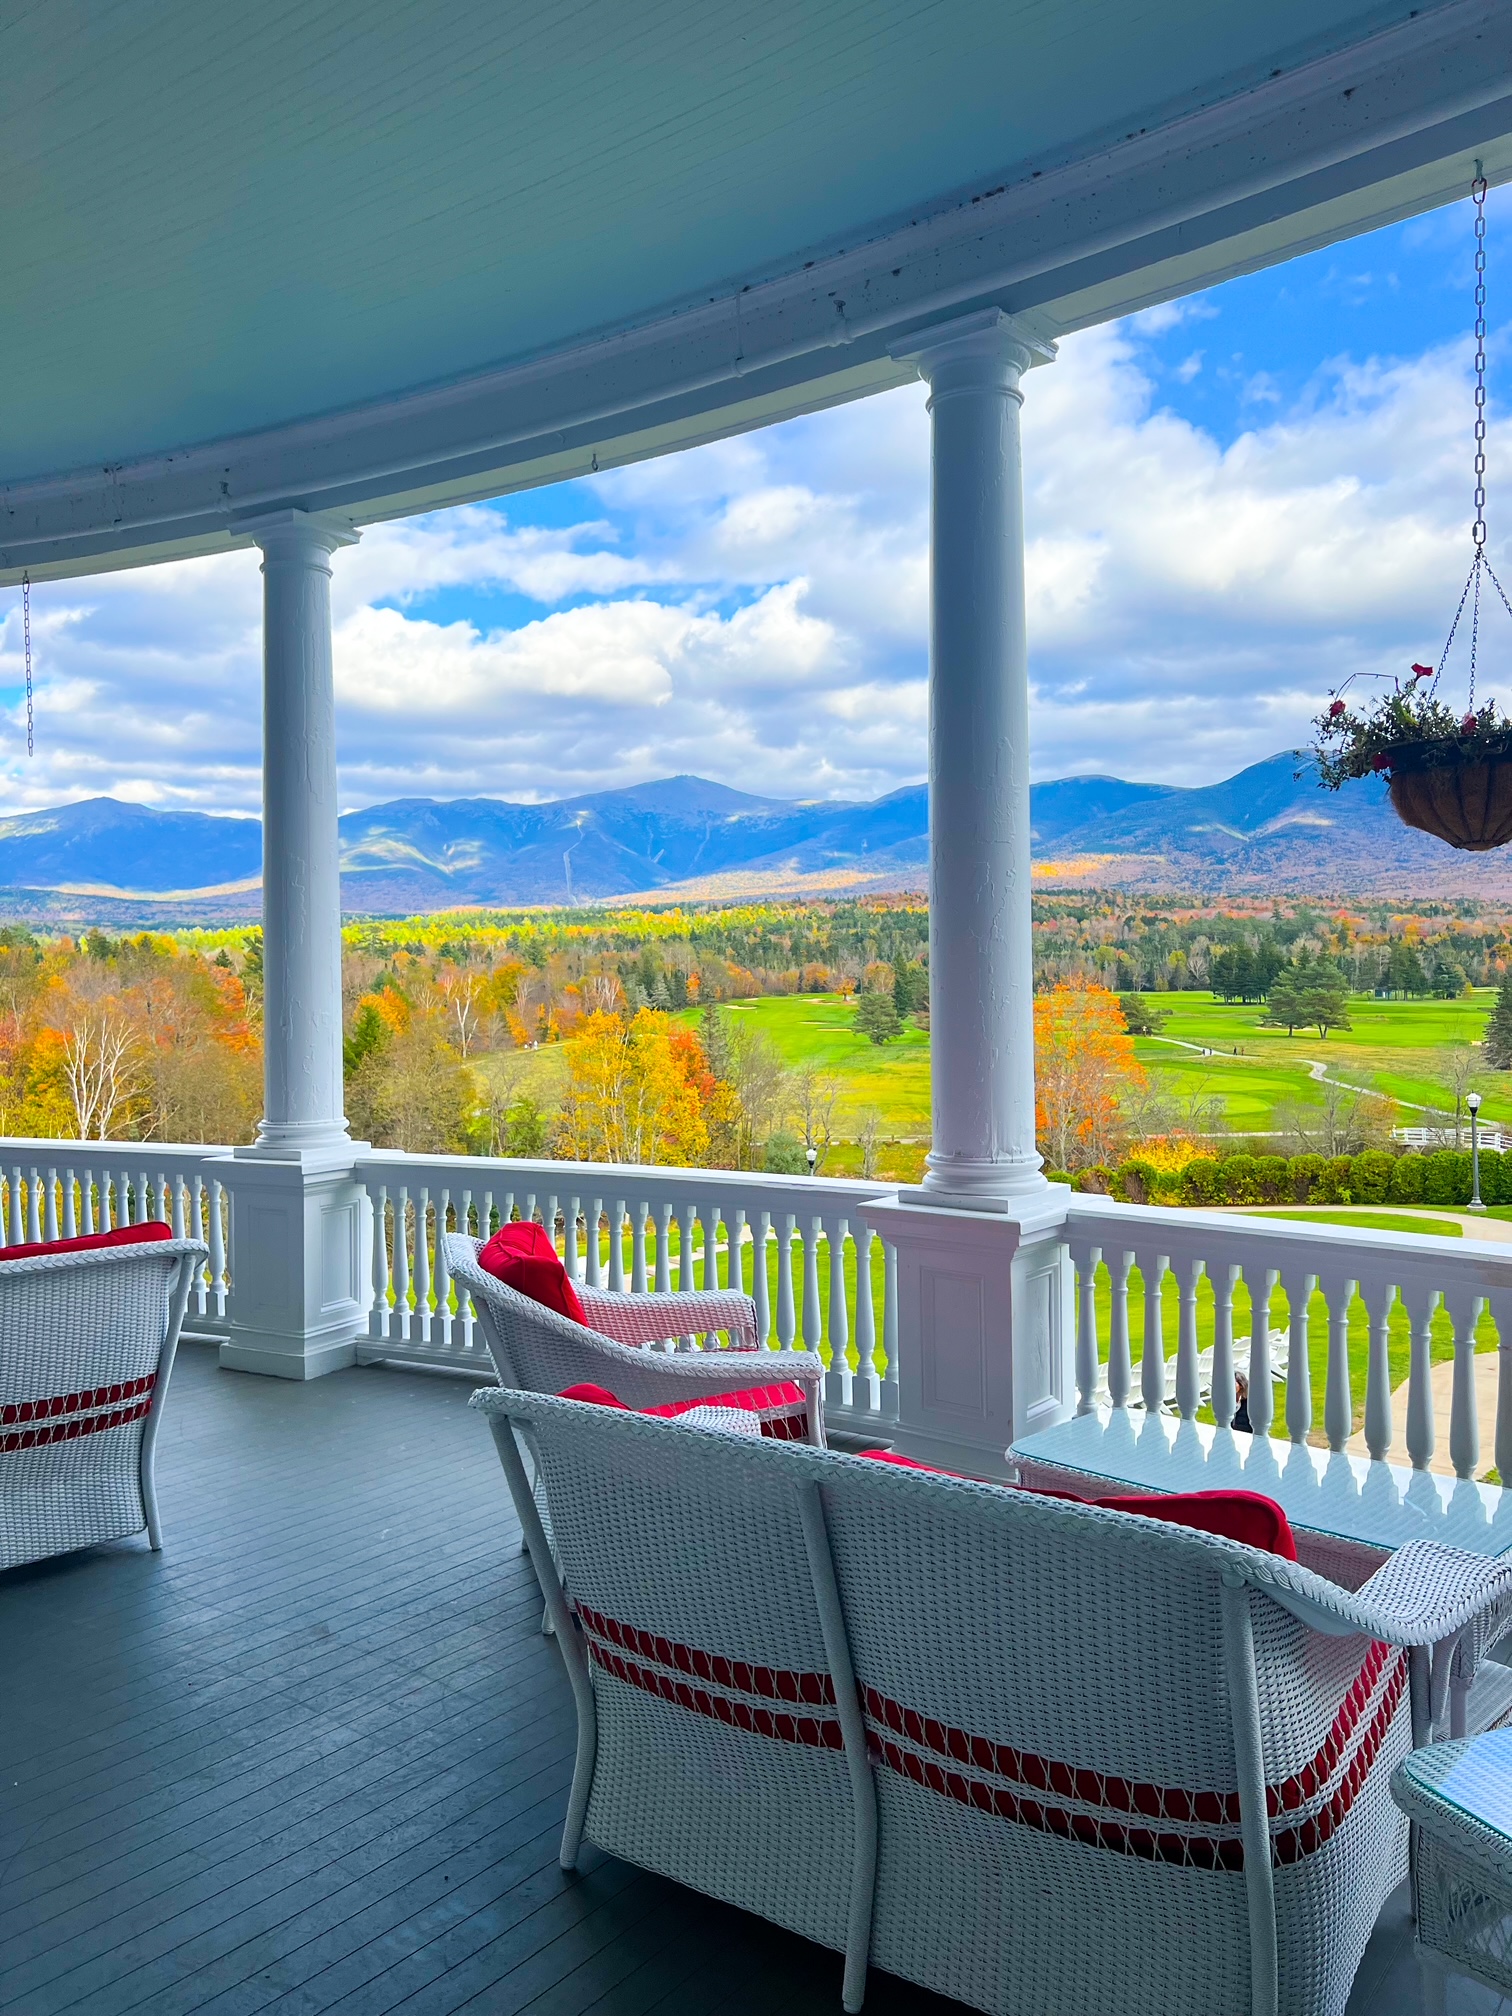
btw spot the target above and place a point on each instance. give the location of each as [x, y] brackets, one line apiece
[422, 1273]
[1120, 1364]
[1225, 1278]
[401, 1262]
[1188, 1374]
[1502, 1308]
[866, 1325]
[196, 1200]
[177, 1218]
[1299, 1290]
[617, 1246]
[813, 1319]
[1338, 1400]
[710, 1215]
[441, 1334]
[17, 1233]
[218, 1269]
[1464, 1428]
[890, 1331]
[735, 1249]
[1260, 1395]
[761, 1289]
[664, 1251]
[1421, 1304]
[1152, 1371]
[70, 1217]
[591, 1236]
[379, 1325]
[550, 1223]
[837, 1385]
[638, 1216]
[687, 1220]
[1086, 1259]
[87, 1187]
[50, 1198]
[33, 1206]
[571, 1257]
[787, 1327]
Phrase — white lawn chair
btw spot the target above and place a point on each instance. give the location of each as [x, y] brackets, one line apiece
[537, 1349]
[87, 1342]
[1031, 1754]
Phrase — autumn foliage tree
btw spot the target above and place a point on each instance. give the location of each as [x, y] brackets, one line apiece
[1084, 1061]
[637, 1089]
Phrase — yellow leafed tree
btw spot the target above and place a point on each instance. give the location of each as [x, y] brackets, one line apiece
[635, 1091]
[1083, 1059]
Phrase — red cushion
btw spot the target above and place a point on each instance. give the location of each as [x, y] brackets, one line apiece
[750, 1399]
[1244, 1516]
[594, 1396]
[904, 1462]
[523, 1258]
[145, 1234]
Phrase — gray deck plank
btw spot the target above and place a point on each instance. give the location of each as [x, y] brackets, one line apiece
[312, 1759]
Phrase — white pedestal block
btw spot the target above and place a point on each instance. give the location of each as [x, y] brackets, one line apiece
[986, 1332]
[300, 1288]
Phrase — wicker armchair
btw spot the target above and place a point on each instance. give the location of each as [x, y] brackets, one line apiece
[538, 1350]
[87, 1342]
[1027, 1753]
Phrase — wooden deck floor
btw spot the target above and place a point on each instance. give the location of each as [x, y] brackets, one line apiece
[314, 1756]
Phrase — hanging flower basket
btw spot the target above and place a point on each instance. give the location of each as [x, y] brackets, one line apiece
[1450, 775]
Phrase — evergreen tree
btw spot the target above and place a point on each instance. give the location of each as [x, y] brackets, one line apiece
[1498, 1038]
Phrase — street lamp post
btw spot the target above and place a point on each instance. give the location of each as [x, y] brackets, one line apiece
[1473, 1101]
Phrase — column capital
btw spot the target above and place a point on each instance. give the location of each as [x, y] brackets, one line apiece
[989, 338]
[293, 531]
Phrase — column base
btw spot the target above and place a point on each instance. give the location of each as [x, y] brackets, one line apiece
[986, 1333]
[300, 1236]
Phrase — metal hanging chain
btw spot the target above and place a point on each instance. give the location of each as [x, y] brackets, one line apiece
[1478, 529]
[26, 639]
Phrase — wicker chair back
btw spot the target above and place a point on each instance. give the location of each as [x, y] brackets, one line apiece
[86, 1346]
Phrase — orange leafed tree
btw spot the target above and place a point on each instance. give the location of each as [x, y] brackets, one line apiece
[1083, 1059]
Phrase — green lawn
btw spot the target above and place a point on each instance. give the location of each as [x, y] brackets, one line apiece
[820, 1029]
[1373, 1221]
[1392, 1045]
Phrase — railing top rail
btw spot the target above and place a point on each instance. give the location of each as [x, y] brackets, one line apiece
[621, 1179]
[51, 1148]
[1236, 1233]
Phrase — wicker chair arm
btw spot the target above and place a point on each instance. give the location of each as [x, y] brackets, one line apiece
[1424, 1594]
[714, 1369]
[640, 1319]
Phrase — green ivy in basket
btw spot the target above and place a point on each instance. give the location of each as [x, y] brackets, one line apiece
[1406, 729]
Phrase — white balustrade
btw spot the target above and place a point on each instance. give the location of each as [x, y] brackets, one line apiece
[68, 1189]
[1421, 1292]
[777, 1237]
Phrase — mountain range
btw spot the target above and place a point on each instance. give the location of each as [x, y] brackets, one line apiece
[1270, 829]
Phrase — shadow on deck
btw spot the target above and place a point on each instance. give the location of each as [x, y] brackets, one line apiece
[314, 1756]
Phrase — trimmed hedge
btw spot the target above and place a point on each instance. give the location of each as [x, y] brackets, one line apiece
[1373, 1177]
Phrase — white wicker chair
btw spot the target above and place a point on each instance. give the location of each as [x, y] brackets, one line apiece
[1034, 1755]
[87, 1342]
[538, 1350]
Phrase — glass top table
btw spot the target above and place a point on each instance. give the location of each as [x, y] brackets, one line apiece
[1472, 1776]
[1322, 1491]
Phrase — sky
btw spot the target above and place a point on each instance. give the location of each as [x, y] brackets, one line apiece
[1232, 504]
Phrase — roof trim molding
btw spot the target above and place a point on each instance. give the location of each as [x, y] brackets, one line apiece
[1378, 129]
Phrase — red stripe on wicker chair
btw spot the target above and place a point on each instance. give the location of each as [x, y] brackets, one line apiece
[75, 1403]
[782, 1408]
[72, 1427]
[1177, 1806]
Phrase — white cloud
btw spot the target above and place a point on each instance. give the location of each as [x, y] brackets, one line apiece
[757, 610]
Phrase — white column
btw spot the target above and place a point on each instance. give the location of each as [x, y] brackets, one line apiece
[981, 975]
[301, 1226]
[303, 1090]
[984, 1298]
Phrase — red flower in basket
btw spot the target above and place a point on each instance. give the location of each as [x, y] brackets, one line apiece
[1380, 761]
[1422, 671]
[1467, 726]
[1336, 710]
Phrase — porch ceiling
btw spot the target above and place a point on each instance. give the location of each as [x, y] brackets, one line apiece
[381, 259]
